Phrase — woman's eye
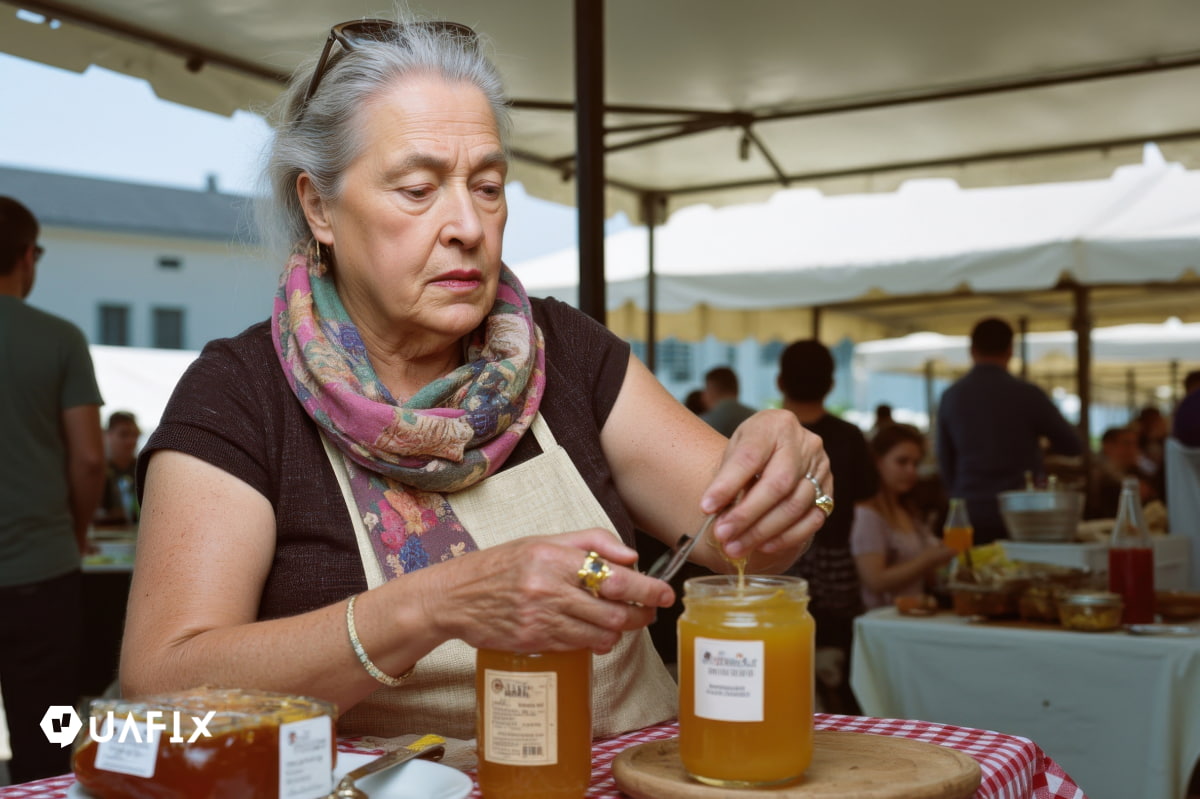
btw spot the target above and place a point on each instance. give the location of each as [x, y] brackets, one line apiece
[491, 192]
[418, 192]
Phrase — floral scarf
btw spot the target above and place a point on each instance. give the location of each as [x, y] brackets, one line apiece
[403, 457]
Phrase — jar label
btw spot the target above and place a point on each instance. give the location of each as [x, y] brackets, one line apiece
[305, 758]
[520, 717]
[129, 748]
[728, 679]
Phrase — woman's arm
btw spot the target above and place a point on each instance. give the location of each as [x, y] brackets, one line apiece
[875, 574]
[206, 545]
[671, 469]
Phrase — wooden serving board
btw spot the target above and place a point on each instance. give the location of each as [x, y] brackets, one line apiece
[846, 765]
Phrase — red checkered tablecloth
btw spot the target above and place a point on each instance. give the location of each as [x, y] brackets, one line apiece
[1013, 768]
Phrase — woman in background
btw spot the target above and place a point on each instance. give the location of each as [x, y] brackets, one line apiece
[894, 550]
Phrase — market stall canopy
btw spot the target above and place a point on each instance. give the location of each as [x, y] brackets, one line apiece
[1136, 362]
[139, 380]
[718, 102]
[930, 257]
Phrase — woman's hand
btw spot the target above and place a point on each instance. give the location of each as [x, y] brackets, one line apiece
[671, 468]
[527, 595]
[765, 469]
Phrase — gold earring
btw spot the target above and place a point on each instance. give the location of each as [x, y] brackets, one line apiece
[313, 253]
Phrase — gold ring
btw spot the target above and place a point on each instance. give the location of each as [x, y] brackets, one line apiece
[820, 498]
[593, 572]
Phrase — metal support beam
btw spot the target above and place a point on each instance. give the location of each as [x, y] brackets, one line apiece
[652, 212]
[1081, 323]
[1023, 327]
[930, 398]
[589, 149]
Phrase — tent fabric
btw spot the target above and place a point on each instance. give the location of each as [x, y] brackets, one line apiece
[844, 254]
[139, 380]
[842, 95]
[1119, 346]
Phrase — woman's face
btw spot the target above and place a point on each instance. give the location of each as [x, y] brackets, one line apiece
[898, 467]
[416, 232]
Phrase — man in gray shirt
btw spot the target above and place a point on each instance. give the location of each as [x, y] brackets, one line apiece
[724, 412]
[51, 476]
[989, 427]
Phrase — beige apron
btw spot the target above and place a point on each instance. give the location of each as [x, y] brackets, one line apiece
[544, 495]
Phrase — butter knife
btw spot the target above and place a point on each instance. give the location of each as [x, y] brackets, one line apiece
[345, 788]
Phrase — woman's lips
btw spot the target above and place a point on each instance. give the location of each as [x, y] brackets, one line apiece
[464, 279]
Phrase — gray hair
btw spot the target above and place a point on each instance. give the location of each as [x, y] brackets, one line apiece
[321, 138]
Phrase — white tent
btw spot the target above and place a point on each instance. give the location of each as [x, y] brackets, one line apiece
[718, 102]
[139, 380]
[1119, 346]
[1133, 365]
[930, 256]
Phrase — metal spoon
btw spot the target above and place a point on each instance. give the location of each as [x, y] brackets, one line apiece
[672, 560]
[345, 788]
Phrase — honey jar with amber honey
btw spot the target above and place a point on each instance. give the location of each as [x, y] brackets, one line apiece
[745, 680]
[534, 717]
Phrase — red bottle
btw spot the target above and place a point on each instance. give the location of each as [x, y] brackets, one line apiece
[1131, 558]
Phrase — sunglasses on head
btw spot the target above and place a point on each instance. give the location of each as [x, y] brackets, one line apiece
[350, 34]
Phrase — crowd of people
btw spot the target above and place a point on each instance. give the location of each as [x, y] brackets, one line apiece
[993, 433]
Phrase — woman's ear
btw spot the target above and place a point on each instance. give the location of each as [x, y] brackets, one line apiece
[314, 209]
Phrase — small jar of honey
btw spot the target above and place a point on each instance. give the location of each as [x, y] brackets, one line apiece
[745, 680]
[534, 718]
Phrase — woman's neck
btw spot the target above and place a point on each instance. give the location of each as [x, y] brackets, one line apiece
[892, 506]
[406, 374]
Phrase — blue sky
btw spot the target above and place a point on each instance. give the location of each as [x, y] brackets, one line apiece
[103, 124]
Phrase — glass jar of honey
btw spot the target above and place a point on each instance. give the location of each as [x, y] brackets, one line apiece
[534, 719]
[745, 680]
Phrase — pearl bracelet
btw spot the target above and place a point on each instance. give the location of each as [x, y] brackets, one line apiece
[372, 669]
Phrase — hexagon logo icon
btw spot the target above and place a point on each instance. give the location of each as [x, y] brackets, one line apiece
[61, 724]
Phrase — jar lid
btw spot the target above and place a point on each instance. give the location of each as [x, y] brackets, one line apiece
[1091, 598]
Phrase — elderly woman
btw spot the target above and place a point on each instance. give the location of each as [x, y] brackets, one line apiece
[412, 459]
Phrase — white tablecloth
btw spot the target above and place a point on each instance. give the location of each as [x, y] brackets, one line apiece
[1120, 713]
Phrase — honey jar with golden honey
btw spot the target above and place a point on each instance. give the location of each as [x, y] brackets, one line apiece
[745, 680]
[534, 718]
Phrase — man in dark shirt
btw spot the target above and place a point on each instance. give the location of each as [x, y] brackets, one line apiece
[805, 378]
[989, 426]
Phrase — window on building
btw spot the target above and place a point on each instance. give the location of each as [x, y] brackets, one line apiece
[675, 360]
[170, 262]
[168, 328]
[114, 325]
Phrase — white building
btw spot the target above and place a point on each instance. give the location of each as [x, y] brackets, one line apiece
[144, 266]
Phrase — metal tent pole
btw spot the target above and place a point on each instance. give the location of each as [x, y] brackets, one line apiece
[1082, 324]
[589, 148]
[652, 205]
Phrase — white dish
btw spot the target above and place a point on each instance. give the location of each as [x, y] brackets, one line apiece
[416, 779]
[1160, 629]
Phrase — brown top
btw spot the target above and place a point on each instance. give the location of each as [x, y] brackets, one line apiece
[234, 408]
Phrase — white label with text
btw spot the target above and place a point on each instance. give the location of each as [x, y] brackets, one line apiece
[305, 758]
[729, 679]
[128, 747]
[520, 717]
